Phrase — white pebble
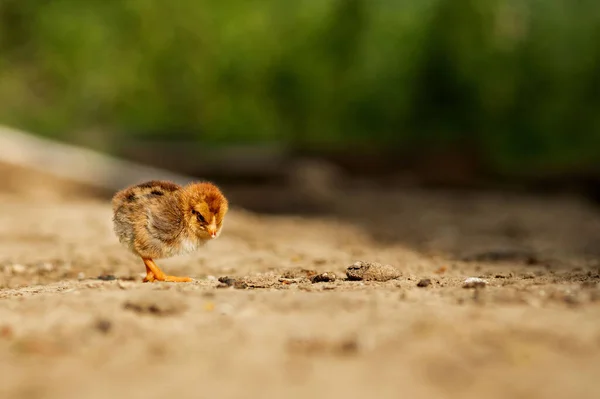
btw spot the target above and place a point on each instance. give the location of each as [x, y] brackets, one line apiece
[474, 282]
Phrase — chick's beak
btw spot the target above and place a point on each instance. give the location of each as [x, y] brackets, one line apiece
[212, 230]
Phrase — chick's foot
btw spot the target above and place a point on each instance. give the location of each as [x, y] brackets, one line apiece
[153, 273]
[150, 278]
[176, 279]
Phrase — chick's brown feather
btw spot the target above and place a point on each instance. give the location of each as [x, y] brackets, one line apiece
[142, 191]
[146, 217]
[155, 219]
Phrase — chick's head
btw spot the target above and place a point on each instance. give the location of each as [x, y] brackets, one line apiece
[204, 207]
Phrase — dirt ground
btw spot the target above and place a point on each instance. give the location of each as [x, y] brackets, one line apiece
[269, 331]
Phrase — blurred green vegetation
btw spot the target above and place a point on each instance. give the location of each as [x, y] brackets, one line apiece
[517, 79]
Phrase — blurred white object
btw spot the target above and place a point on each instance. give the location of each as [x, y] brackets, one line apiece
[76, 164]
[474, 282]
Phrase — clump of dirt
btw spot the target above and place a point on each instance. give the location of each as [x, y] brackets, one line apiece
[372, 271]
[225, 282]
[298, 272]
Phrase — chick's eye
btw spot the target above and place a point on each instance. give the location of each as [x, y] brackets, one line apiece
[198, 215]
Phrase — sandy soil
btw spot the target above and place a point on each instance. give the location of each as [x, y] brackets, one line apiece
[270, 332]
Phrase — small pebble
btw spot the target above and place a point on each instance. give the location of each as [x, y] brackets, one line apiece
[227, 281]
[323, 278]
[474, 282]
[426, 282]
[81, 276]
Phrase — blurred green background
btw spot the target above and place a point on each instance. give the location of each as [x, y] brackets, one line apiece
[516, 81]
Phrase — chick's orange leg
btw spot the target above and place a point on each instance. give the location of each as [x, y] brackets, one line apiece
[149, 275]
[154, 273]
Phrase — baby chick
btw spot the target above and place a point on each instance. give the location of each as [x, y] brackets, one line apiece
[161, 219]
